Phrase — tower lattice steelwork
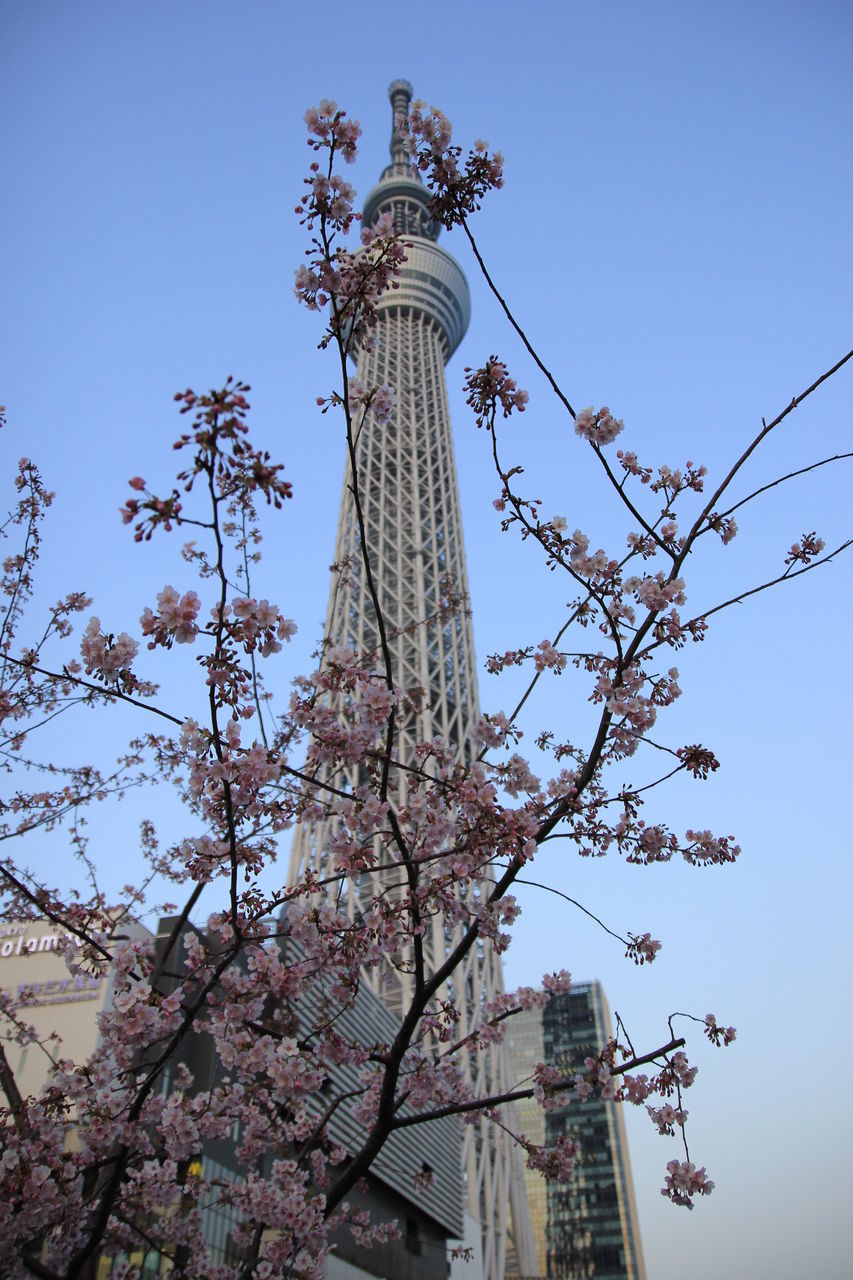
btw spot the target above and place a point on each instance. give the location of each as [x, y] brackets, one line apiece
[413, 526]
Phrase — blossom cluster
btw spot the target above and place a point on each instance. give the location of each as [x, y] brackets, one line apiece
[642, 949]
[351, 284]
[379, 401]
[330, 127]
[725, 526]
[457, 187]
[598, 426]
[347, 283]
[805, 549]
[557, 1163]
[490, 388]
[175, 619]
[109, 658]
[684, 1181]
[150, 511]
[718, 1035]
[242, 473]
[632, 699]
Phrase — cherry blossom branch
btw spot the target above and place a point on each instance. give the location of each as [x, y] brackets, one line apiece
[38, 899]
[219, 630]
[650, 529]
[573, 617]
[33, 727]
[788, 576]
[549, 888]
[10, 1088]
[791, 475]
[106, 694]
[254, 666]
[362, 538]
[535, 532]
[512, 320]
[108, 1194]
[519, 1095]
[633, 792]
[766, 428]
[99, 789]
[176, 933]
[31, 509]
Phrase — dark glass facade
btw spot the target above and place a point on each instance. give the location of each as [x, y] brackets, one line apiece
[589, 1227]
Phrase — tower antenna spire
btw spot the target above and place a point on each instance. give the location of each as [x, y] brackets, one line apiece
[400, 94]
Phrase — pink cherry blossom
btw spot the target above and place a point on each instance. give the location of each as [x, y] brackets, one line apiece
[684, 1181]
[106, 656]
[599, 427]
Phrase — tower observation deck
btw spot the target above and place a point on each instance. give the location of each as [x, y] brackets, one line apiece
[410, 499]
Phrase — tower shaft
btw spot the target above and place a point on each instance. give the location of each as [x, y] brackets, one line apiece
[413, 536]
[413, 525]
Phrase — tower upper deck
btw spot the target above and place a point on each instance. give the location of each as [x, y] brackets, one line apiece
[431, 282]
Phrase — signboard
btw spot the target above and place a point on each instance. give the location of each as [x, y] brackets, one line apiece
[23, 941]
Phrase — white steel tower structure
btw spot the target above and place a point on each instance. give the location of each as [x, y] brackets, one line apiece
[410, 497]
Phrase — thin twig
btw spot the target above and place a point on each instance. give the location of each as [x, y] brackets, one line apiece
[517, 1095]
[838, 457]
[516, 326]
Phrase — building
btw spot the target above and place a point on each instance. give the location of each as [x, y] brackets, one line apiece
[54, 1001]
[429, 1211]
[589, 1227]
[414, 537]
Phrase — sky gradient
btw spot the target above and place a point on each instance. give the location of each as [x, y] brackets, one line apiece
[674, 234]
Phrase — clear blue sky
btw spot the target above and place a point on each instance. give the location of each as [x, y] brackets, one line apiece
[675, 232]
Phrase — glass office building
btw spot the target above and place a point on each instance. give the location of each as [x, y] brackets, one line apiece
[589, 1227]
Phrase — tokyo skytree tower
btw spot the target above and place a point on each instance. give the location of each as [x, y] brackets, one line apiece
[413, 526]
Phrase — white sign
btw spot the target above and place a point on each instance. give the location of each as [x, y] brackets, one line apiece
[17, 946]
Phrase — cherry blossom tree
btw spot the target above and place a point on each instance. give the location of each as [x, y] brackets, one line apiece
[100, 1161]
